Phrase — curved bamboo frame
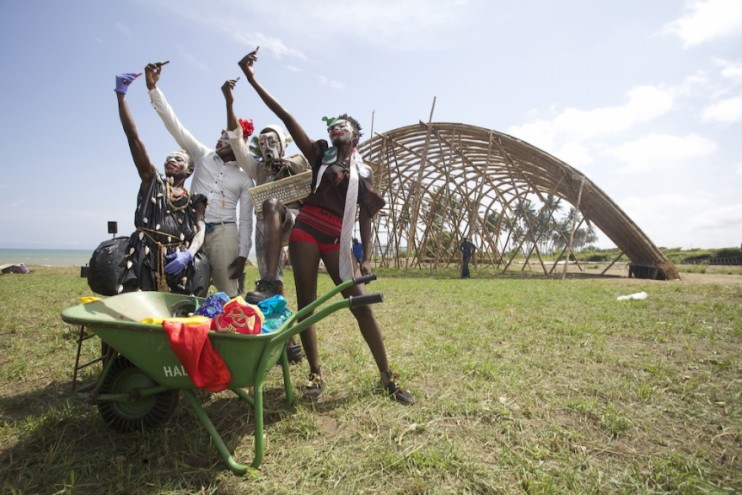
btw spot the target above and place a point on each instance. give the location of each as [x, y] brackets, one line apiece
[449, 177]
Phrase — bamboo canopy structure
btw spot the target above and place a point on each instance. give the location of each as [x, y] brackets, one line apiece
[446, 181]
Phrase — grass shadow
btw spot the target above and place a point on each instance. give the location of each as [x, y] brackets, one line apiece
[65, 439]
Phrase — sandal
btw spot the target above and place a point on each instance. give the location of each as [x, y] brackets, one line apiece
[314, 386]
[401, 395]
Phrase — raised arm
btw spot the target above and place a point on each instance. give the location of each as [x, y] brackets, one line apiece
[227, 88]
[146, 170]
[303, 142]
[235, 133]
[182, 136]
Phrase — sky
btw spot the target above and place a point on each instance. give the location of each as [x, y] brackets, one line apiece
[645, 98]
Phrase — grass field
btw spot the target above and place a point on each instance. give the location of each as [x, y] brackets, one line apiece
[523, 386]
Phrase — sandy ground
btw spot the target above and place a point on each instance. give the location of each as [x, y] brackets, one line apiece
[727, 275]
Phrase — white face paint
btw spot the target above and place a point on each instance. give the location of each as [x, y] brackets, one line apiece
[176, 162]
[222, 145]
[270, 146]
[341, 131]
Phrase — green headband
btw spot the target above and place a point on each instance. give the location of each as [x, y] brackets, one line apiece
[329, 120]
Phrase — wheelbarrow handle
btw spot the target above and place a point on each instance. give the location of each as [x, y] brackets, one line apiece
[374, 298]
[364, 279]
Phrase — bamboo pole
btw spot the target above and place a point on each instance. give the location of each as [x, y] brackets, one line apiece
[574, 226]
[418, 194]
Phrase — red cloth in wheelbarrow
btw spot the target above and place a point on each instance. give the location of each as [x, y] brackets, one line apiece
[204, 365]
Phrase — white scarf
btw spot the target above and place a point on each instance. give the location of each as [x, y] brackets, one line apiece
[349, 217]
[357, 167]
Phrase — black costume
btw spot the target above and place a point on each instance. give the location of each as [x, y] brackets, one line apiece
[165, 224]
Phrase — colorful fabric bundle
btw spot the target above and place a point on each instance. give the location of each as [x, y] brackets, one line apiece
[239, 317]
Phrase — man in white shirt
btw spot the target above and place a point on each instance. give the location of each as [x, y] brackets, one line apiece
[217, 176]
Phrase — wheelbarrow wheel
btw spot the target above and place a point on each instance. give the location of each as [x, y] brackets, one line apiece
[134, 415]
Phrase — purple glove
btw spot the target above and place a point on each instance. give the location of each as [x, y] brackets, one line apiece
[123, 81]
[178, 262]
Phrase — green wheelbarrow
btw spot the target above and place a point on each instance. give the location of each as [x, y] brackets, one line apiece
[142, 378]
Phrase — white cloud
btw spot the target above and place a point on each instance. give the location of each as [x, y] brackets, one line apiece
[405, 25]
[659, 216]
[274, 45]
[330, 82]
[738, 169]
[661, 151]
[730, 70]
[575, 154]
[643, 104]
[725, 111]
[717, 217]
[411, 24]
[708, 20]
[193, 61]
[693, 219]
[123, 29]
[16, 204]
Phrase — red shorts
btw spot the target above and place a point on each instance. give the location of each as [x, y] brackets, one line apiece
[319, 227]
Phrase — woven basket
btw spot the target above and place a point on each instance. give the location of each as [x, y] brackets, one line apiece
[286, 190]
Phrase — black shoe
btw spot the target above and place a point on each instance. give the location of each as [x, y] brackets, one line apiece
[263, 290]
[314, 386]
[294, 353]
[401, 395]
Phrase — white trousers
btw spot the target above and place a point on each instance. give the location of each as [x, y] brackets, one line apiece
[222, 246]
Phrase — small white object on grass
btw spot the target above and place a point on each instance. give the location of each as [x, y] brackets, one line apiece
[637, 296]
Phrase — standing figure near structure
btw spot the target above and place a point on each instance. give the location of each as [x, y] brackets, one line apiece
[324, 227]
[467, 251]
[169, 221]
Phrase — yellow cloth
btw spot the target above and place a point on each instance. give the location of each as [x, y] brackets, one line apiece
[188, 320]
[89, 299]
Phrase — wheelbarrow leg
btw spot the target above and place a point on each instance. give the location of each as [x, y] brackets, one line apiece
[221, 447]
[288, 389]
[257, 403]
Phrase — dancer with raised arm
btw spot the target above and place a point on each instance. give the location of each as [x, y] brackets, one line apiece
[324, 227]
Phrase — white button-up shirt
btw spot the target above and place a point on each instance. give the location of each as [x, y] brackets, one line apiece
[223, 183]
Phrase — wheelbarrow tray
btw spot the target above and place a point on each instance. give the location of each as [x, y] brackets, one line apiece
[116, 320]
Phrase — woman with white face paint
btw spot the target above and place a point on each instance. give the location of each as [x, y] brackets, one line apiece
[169, 221]
[324, 227]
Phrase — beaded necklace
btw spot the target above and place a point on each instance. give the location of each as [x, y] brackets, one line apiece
[171, 196]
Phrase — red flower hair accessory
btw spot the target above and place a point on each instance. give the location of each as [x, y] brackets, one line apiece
[247, 128]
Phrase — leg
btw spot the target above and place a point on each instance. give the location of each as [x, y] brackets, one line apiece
[305, 280]
[370, 330]
[363, 314]
[465, 267]
[274, 215]
[269, 256]
[217, 252]
[223, 247]
[260, 247]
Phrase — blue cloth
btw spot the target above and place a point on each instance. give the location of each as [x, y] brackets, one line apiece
[275, 311]
[213, 305]
[357, 251]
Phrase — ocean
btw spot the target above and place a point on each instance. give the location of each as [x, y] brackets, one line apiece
[46, 257]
